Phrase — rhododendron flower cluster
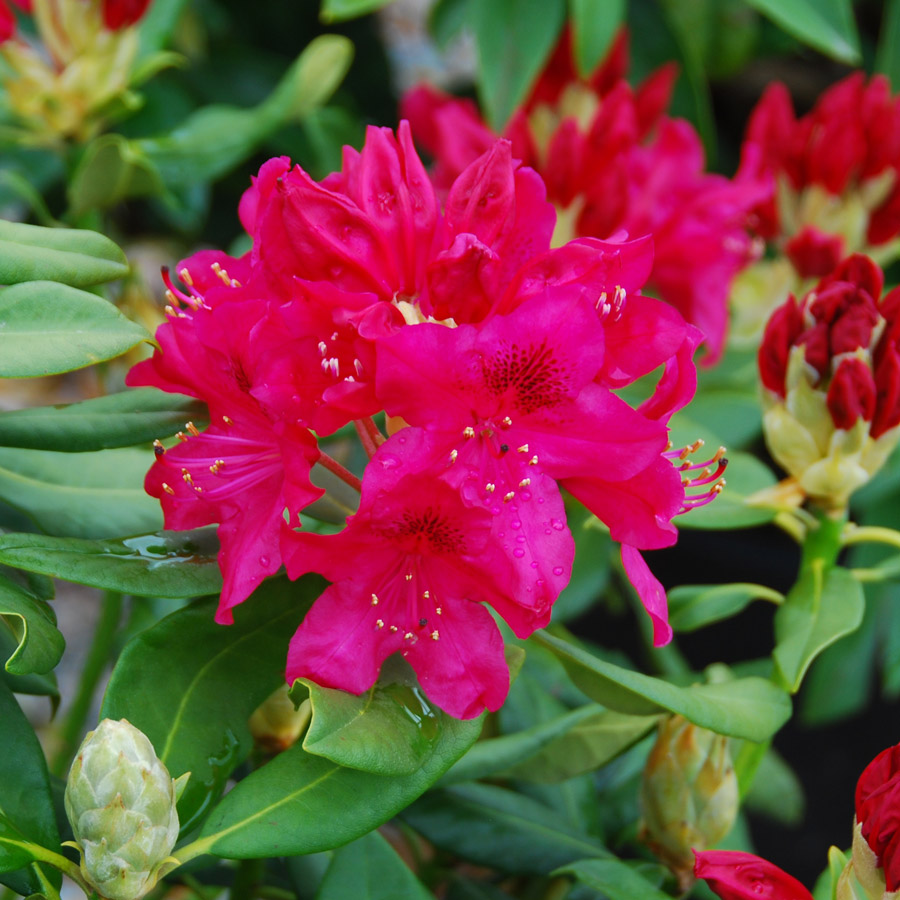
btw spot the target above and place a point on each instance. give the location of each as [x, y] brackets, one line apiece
[612, 161]
[496, 360]
[838, 190]
[831, 368]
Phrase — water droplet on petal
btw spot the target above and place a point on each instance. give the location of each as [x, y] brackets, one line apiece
[557, 524]
[557, 570]
[264, 561]
[518, 553]
[388, 461]
[534, 564]
[517, 524]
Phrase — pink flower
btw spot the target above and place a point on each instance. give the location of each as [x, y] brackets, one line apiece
[512, 409]
[250, 465]
[422, 563]
[617, 166]
[121, 13]
[733, 875]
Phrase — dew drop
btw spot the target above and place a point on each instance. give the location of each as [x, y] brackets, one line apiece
[495, 510]
[501, 534]
[520, 538]
[525, 495]
[547, 531]
[388, 461]
[557, 524]
[540, 499]
[515, 524]
[534, 564]
[518, 553]
[264, 561]
[557, 570]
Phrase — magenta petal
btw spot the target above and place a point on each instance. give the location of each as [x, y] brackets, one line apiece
[651, 592]
[461, 664]
[639, 510]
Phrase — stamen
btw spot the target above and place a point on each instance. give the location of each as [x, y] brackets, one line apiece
[409, 576]
[379, 623]
[228, 420]
[393, 629]
[158, 449]
[533, 461]
[506, 421]
[426, 595]
[509, 496]
[522, 449]
[524, 482]
[323, 348]
[490, 487]
[181, 436]
[469, 431]
[374, 600]
[167, 489]
[192, 429]
[439, 611]
[453, 454]
[435, 635]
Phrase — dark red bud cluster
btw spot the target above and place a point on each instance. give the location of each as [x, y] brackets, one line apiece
[878, 811]
[834, 321]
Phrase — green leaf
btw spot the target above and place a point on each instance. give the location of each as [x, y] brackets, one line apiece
[300, 803]
[734, 415]
[827, 25]
[341, 10]
[26, 805]
[594, 25]
[370, 869]
[215, 677]
[33, 626]
[389, 730]
[613, 878]
[499, 754]
[691, 606]
[887, 56]
[592, 743]
[47, 328]
[86, 495]
[116, 420]
[514, 40]
[175, 564]
[112, 169]
[158, 25]
[73, 256]
[776, 791]
[751, 708]
[499, 828]
[590, 571]
[216, 138]
[816, 612]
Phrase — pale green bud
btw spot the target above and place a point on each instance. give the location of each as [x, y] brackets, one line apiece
[276, 724]
[120, 802]
[689, 792]
[863, 877]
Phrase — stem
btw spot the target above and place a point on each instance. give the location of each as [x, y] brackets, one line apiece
[789, 523]
[366, 437]
[858, 534]
[97, 658]
[57, 860]
[344, 474]
[47, 889]
[822, 543]
[248, 875]
[193, 849]
[374, 432]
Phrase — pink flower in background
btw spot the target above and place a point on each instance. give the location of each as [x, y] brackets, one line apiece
[612, 162]
[733, 875]
[878, 812]
[121, 13]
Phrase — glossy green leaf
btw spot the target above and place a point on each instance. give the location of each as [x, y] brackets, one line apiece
[86, 495]
[116, 420]
[176, 564]
[495, 827]
[691, 606]
[613, 878]
[26, 806]
[887, 56]
[73, 256]
[47, 328]
[33, 625]
[340, 10]
[216, 138]
[594, 25]
[158, 25]
[389, 730]
[751, 708]
[300, 803]
[817, 611]
[514, 39]
[591, 569]
[215, 677]
[827, 25]
[370, 869]
[488, 757]
[734, 415]
[592, 743]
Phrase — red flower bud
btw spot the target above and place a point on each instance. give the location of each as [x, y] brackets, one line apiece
[851, 394]
[733, 875]
[782, 330]
[814, 253]
[878, 811]
[122, 13]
